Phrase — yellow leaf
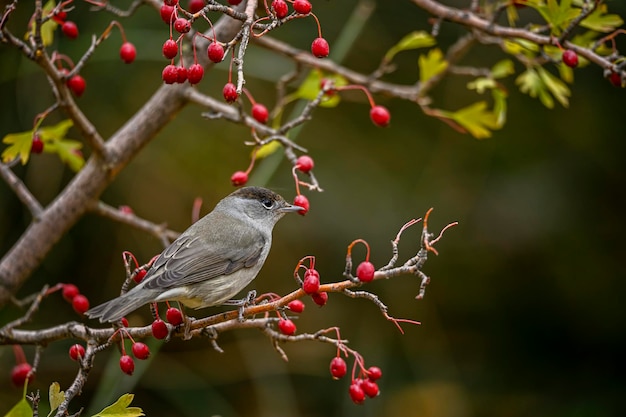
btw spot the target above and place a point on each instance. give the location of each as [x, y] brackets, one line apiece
[21, 409]
[48, 27]
[432, 64]
[56, 396]
[121, 408]
[19, 145]
[477, 119]
[267, 149]
[414, 40]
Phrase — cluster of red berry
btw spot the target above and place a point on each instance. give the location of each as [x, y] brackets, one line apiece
[79, 302]
[570, 58]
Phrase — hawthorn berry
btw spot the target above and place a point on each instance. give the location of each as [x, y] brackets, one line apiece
[239, 178]
[60, 17]
[374, 373]
[365, 271]
[320, 48]
[181, 74]
[77, 84]
[570, 58]
[615, 79]
[124, 321]
[356, 393]
[174, 316]
[195, 73]
[139, 275]
[159, 329]
[77, 352]
[338, 367]
[230, 93]
[215, 51]
[128, 53]
[127, 364]
[36, 145]
[80, 304]
[303, 202]
[195, 6]
[311, 282]
[370, 388]
[170, 74]
[20, 373]
[320, 298]
[166, 13]
[141, 350]
[70, 29]
[302, 6]
[280, 8]
[380, 116]
[170, 49]
[297, 306]
[305, 163]
[172, 3]
[182, 25]
[287, 327]
[260, 113]
[69, 291]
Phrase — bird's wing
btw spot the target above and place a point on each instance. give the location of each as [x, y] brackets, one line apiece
[193, 259]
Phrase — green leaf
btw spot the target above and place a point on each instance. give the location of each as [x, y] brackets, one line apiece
[499, 105]
[68, 151]
[21, 409]
[414, 40]
[311, 86]
[558, 15]
[530, 83]
[566, 73]
[19, 145]
[476, 119]
[558, 88]
[56, 396]
[48, 27]
[503, 69]
[432, 64]
[602, 22]
[121, 408]
[516, 46]
[267, 149]
[481, 84]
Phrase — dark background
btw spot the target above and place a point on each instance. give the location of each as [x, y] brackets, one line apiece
[523, 315]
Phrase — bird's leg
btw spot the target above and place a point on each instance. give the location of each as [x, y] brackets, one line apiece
[242, 304]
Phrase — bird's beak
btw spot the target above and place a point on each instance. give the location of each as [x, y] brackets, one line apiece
[290, 208]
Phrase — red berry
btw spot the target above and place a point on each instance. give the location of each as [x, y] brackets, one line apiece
[80, 303]
[320, 298]
[320, 48]
[127, 364]
[159, 329]
[615, 79]
[260, 113]
[77, 84]
[311, 282]
[297, 306]
[195, 74]
[181, 74]
[303, 202]
[380, 116]
[170, 74]
[302, 6]
[215, 51]
[570, 58]
[124, 321]
[36, 145]
[128, 53]
[365, 271]
[239, 178]
[166, 13]
[196, 5]
[70, 29]
[280, 8]
[141, 350]
[370, 388]
[338, 367]
[171, 2]
[182, 25]
[60, 17]
[139, 275]
[174, 316]
[305, 163]
[170, 49]
[234, 2]
[230, 92]
[356, 393]
[77, 352]
[287, 327]
[374, 373]
[20, 373]
[69, 292]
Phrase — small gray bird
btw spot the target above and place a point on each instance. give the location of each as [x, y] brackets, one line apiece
[212, 260]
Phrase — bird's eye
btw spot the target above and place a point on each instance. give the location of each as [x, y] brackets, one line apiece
[267, 203]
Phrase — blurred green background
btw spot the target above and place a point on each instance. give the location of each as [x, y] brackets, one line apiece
[523, 315]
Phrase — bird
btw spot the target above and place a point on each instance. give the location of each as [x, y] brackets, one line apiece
[211, 261]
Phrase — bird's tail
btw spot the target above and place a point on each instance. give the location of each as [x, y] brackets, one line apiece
[119, 307]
